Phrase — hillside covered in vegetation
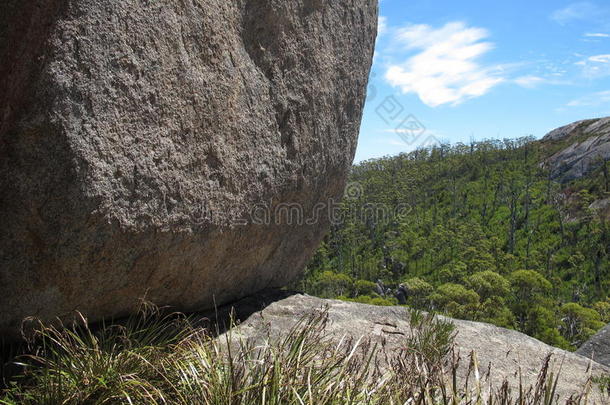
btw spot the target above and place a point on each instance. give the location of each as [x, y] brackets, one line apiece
[481, 232]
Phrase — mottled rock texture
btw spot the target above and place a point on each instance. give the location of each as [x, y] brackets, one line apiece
[587, 146]
[598, 347]
[135, 134]
[504, 354]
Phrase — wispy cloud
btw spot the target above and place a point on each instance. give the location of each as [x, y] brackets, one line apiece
[596, 35]
[600, 58]
[445, 69]
[551, 77]
[591, 100]
[395, 142]
[529, 81]
[582, 10]
[407, 142]
[596, 66]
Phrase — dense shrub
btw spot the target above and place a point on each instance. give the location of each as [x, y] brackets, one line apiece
[485, 216]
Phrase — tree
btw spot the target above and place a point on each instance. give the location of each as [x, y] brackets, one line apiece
[603, 309]
[456, 300]
[418, 291]
[488, 284]
[543, 325]
[365, 287]
[579, 323]
[331, 285]
[529, 289]
[529, 285]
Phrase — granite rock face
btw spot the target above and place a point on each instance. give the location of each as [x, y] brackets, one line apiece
[157, 148]
[503, 354]
[598, 347]
[589, 149]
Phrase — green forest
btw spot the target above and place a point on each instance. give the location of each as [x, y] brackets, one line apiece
[479, 232]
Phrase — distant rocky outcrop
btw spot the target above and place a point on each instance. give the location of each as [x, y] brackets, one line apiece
[504, 353]
[584, 146]
[598, 347]
[174, 150]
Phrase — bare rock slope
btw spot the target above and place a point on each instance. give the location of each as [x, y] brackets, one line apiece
[598, 347]
[587, 145]
[505, 353]
[137, 140]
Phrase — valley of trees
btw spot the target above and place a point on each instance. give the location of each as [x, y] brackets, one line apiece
[477, 232]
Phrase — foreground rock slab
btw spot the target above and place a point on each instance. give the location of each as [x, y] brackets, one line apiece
[505, 353]
[160, 148]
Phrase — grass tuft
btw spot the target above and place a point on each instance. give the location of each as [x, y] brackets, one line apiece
[157, 358]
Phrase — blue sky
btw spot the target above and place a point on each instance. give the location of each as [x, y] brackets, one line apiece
[448, 70]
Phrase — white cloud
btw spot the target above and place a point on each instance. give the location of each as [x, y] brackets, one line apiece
[596, 35]
[382, 25]
[591, 100]
[529, 81]
[445, 71]
[582, 10]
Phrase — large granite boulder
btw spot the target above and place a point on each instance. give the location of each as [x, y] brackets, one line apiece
[178, 150]
[598, 347]
[584, 147]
